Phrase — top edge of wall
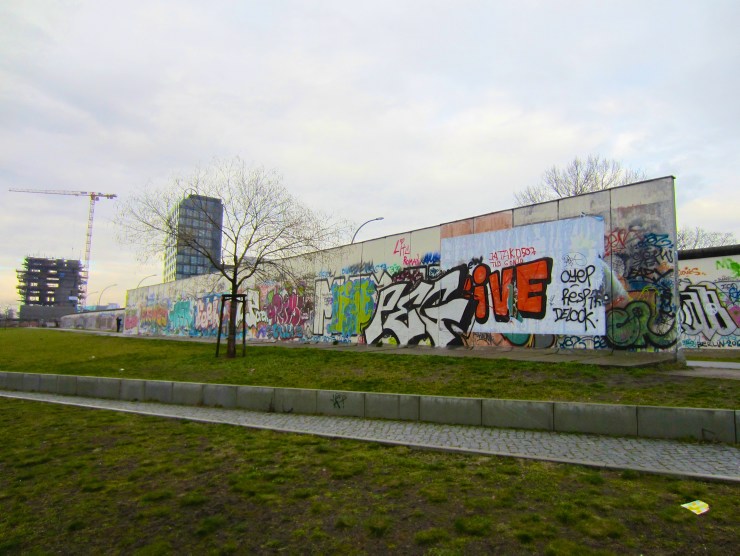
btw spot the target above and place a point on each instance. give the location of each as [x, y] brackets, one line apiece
[709, 252]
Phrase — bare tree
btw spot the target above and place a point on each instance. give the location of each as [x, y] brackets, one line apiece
[699, 238]
[7, 311]
[578, 177]
[263, 225]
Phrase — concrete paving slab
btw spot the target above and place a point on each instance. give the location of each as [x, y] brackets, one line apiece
[14, 381]
[408, 407]
[714, 364]
[708, 372]
[255, 398]
[382, 406]
[295, 400]
[456, 411]
[48, 383]
[132, 390]
[520, 414]
[219, 395]
[30, 382]
[684, 422]
[187, 393]
[67, 385]
[695, 460]
[616, 420]
[158, 391]
[348, 404]
[86, 386]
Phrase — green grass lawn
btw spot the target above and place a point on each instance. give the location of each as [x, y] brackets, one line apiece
[45, 351]
[75, 480]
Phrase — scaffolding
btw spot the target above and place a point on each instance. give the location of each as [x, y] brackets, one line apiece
[49, 288]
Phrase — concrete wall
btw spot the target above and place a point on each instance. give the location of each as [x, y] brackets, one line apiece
[93, 320]
[617, 420]
[710, 298]
[536, 277]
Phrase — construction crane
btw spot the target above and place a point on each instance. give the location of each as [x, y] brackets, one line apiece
[88, 244]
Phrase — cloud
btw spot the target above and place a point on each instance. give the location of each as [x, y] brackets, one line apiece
[422, 112]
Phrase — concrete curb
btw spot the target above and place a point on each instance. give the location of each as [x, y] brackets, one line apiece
[720, 425]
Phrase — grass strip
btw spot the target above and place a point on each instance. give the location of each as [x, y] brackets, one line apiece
[43, 351]
[81, 480]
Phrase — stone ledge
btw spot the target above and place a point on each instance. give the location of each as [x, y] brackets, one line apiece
[721, 425]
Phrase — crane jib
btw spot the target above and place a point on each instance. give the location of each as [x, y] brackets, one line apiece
[94, 196]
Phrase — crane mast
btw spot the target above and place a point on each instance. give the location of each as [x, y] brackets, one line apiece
[94, 197]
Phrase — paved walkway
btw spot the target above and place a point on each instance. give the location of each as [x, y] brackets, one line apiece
[698, 460]
[710, 369]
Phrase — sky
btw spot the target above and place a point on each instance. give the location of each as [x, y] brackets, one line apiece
[419, 111]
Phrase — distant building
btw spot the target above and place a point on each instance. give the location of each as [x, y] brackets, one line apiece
[49, 288]
[199, 220]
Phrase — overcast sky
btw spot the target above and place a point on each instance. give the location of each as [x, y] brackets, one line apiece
[418, 111]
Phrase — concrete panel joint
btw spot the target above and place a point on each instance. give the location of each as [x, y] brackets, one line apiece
[455, 411]
[614, 420]
[219, 395]
[683, 422]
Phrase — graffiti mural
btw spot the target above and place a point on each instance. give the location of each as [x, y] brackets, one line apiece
[539, 279]
[567, 283]
[153, 319]
[206, 316]
[353, 303]
[436, 312]
[730, 264]
[710, 303]
[288, 310]
[94, 320]
[347, 302]
[642, 312]
[514, 292]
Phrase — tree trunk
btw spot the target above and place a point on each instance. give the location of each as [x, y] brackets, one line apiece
[233, 311]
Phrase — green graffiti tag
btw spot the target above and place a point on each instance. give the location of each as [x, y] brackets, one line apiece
[181, 316]
[636, 326]
[353, 304]
[730, 264]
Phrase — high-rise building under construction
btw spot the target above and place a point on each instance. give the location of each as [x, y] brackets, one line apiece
[49, 288]
[197, 242]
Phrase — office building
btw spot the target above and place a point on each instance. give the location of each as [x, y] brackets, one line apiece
[199, 225]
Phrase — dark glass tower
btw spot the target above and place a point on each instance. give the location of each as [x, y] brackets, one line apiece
[199, 228]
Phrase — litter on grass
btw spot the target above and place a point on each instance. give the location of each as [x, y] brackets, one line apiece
[697, 506]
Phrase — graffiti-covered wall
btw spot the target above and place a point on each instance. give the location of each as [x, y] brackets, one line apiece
[596, 271]
[191, 307]
[709, 283]
[93, 320]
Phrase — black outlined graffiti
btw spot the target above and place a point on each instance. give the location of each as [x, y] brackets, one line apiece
[518, 291]
[704, 313]
[411, 313]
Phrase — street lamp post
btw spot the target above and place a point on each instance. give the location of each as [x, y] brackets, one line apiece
[357, 290]
[144, 278]
[361, 225]
[102, 292]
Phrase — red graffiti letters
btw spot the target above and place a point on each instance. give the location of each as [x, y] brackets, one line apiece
[519, 291]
